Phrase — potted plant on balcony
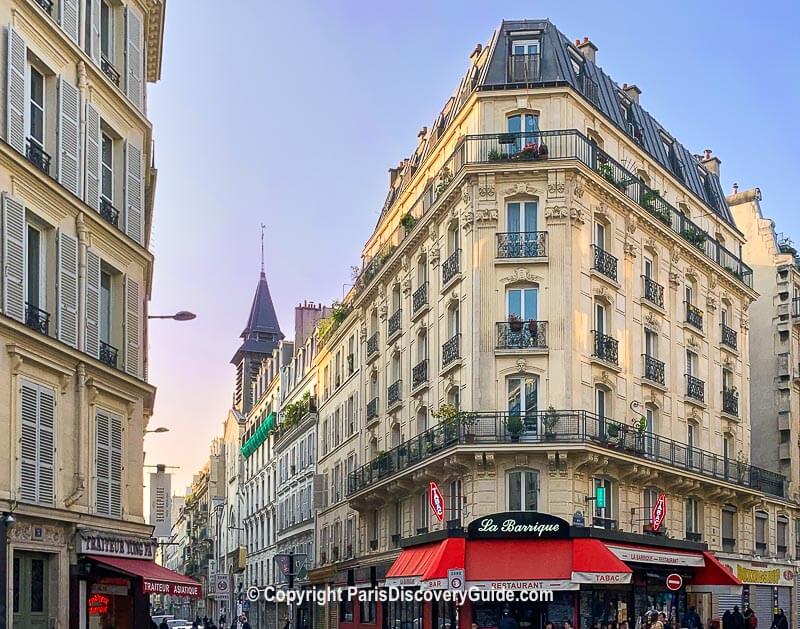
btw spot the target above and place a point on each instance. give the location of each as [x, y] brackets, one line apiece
[445, 177]
[514, 426]
[612, 433]
[408, 221]
[694, 235]
[468, 419]
[550, 420]
[515, 323]
[495, 155]
[533, 328]
[741, 466]
[528, 152]
[543, 151]
[640, 428]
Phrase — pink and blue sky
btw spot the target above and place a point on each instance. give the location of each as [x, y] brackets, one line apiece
[290, 114]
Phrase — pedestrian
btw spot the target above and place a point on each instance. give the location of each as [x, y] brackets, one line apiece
[779, 621]
[508, 621]
[750, 619]
[164, 624]
[737, 618]
[727, 622]
[153, 624]
[195, 624]
[287, 624]
[692, 619]
[659, 622]
[222, 620]
[243, 622]
[568, 624]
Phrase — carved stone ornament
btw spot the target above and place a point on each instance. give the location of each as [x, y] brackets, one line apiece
[601, 293]
[555, 213]
[650, 243]
[486, 192]
[577, 215]
[674, 278]
[631, 223]
[36, 532]
[487, 215]
[693, 342]
[363, 331]
[521, 188]
[605, 377]
[652, 322]
[744, 324]
[629, 249]
[556, 189]
[711, 302]
[577, 191]
[466, 223]
[405, 285]
[466, 193]
[522, 366]
[601, 210]
[522, 275]
[675, 253]
[434, 257]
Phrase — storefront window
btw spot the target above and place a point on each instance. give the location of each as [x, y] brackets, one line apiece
[528, 615]
[444, 615]
[403, 615]
[346, 610]
[366, 612]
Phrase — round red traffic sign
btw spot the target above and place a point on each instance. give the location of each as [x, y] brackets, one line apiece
[674, 582]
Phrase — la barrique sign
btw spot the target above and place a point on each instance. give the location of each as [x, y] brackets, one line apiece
[518, 524]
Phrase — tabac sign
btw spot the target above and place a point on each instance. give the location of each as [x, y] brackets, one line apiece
[96, 543]
[518, 524]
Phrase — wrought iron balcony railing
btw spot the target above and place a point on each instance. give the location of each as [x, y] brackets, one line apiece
[47, 5]
[796, 306]
[372, 409]
[524, 68]
[38, 156]
[394, 393]
[110, 71]
[521, 334]
[419, 374]
[695, 388]
[605, 263]
[653, 291]
[653, 369]
[372, 345]
[605, 347]
[728, 336]
[522, 245]
[730, 401]
[693, 536]
[108, 354]
[393, 324]
[109, 212]
[419, 298]
[37, 319]
[451, 350]
[450, 267]
[694, 316]
[553, 427]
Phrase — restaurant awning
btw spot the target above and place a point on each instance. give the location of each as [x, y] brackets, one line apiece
[156, 579]
[427, 565]
[714, 577]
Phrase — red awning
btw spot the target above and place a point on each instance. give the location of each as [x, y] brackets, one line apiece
[155, 579]
[714, 577]
[562, 564]
[657, 555]
[427, 564]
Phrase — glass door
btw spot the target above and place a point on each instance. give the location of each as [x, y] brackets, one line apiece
[29, 599]
[522, 402]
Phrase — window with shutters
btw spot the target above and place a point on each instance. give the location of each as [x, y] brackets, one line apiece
[37, 443]
[39, 130]
[37, 279]
[108, 466]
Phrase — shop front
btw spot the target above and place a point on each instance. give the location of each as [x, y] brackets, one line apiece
[111, 583]
[599, 579]
[767, 587]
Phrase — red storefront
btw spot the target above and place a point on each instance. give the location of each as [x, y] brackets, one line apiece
[599, 578]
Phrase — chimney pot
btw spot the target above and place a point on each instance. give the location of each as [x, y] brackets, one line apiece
[588, 49]
[632, 92]
[735, 188]
[707, 154]
[711, 162]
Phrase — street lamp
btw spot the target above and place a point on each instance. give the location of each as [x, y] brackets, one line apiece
[181, 315]
[158, 430]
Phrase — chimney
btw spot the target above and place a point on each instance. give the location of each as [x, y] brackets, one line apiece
[473, 56]
[588, 49]
[393, 172]
[632, 92]
[711, 162]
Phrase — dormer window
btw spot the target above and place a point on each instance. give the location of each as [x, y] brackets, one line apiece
[523, 62]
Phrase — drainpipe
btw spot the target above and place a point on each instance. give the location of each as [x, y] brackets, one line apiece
[79, 415]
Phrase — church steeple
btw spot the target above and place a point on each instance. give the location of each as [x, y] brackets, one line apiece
[261, 335]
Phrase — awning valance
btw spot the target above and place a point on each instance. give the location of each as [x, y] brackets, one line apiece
[156, 579]
[259, 436]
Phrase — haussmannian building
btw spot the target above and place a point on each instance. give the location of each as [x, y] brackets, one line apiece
[77, 181]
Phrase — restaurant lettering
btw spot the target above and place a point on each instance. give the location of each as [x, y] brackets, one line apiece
[173, 589]
[766, 577]
[519, 524]
[99, 544]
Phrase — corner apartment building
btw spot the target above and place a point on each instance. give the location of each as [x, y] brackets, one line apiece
[77, 181]
[555, 264]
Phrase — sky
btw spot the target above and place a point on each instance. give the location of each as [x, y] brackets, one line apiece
[290, 114]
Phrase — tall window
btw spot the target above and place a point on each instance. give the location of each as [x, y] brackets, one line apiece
[599, 318]
[762, 520]
[521, 217]
[105, 307]
[604, 515]
[691, 363]
[37, 443]
[601, 402]
[649, 268]
[37, 100]
[650, 343]
[106, 30]
[422, 420]
[689, 294]
[523, 489]
[523, 396]
[781, 524]
[453, 239]
[522, 303]
[454, 321]
[724, 317]
[527, 123]
[693, 530]
[35, 271]
[600, 236]
[422, 270]
[422, 345]
[422, 510]
[650, 499]
[455, 500]
[651, 426]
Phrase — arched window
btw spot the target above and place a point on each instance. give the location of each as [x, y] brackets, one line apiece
[422, 420]
[396, 436]
[522, 490]
[454, 397]
[526, 123]
[453, 238]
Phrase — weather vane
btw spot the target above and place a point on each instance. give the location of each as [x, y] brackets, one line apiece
[263, 227]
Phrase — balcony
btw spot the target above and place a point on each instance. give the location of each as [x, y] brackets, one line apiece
[524, 68]
[604, 523]
[372, 409]
[653, 291]
[605, 347]
[450, 267]
[37, 319]
[47, 5]
[796, 307]
[694, 537]
[553, 427]
[521, 335]
[522, 245]
[37, 156]
[372, 346]
[419, 374]
[730, 401]
[604, 263]
[394, 393]
[109, 70]
[419, 298]
[108, 355]
[393, 326]
[653, 369]
[109, 212]
[694, 316]
[728, 337]
[451, 350]
[695, 388]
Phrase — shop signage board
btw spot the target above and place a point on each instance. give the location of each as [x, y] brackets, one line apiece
[658, 513]
[221, 585]
[96, 543]
[518, 525]
[549, 584]
[436, 499]
[755, 575]
[173, 589]
[663, 557]
[674, 582]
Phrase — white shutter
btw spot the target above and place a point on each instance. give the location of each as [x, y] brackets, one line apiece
[103, 457]
[14, 245]
[133, 57]
[132, 322]
[29, 394]
[37, 443]
[67, 289]
[69, 137]
[115, 466]
[93, 6]
[15, 92]
[69, 18]
[133, 192]
[91, 152]
[92, 304]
